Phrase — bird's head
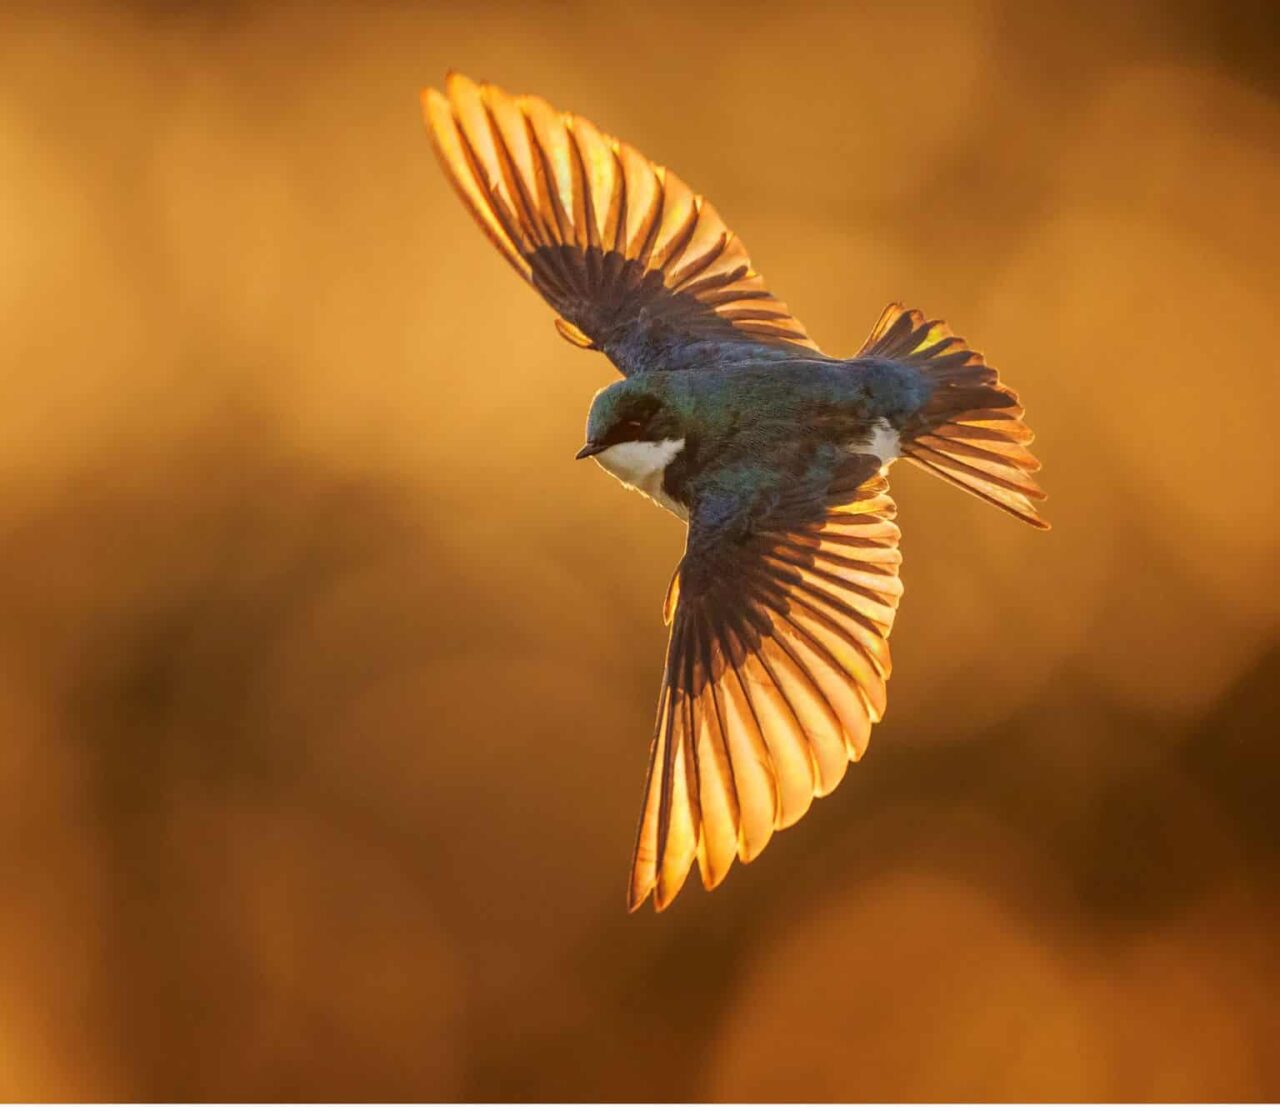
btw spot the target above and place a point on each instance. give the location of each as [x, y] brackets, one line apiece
[632, 412]
[636, 429]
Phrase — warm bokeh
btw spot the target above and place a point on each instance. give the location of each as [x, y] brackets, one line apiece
[327, 675]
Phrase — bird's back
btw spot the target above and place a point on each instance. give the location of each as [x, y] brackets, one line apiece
[767, 402]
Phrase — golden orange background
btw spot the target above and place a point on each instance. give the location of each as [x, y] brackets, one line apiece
[327, 675]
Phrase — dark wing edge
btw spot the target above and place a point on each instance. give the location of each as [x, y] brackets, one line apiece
[635, 263]
[771, 687]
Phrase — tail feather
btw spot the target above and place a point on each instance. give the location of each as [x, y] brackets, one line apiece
[971, 431]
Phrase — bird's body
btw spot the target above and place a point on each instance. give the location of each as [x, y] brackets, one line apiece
[769, 416]
[775, 454]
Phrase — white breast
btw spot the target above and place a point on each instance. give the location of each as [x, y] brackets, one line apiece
[641, 466]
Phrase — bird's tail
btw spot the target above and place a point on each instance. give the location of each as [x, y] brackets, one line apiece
[970, 431]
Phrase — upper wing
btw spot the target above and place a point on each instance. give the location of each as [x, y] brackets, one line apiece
[635, 263]
[776, 670]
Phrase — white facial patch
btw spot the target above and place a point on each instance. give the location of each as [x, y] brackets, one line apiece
[641, 466]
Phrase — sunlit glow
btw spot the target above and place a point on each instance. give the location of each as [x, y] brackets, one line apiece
[326, 674]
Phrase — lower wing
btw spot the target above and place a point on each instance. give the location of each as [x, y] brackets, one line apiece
[776, 671]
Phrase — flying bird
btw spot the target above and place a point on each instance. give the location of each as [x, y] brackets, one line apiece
[775, 454]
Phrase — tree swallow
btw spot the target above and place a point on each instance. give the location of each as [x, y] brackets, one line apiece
[775, 454]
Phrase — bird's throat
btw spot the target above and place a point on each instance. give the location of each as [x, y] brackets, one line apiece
[642, 466]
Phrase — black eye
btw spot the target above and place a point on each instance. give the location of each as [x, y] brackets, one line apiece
[629, 429]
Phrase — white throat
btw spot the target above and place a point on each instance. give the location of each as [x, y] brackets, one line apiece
[641, 466]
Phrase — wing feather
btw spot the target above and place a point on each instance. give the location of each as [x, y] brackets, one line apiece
[784, 738]
[717, 793]
[753, 766]
[774, 678]
[633, 261]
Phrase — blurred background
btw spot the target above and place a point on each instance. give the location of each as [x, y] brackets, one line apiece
[327, 675]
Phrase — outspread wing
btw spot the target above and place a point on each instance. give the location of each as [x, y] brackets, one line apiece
[776, 670]
[634, 262]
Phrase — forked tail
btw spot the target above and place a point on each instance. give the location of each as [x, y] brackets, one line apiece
[970, 432]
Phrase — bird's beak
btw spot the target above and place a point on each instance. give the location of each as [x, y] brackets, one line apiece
[591, 448]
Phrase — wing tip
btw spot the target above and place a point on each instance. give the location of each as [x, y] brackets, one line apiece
[434, 105]
[458, 86]
[711, 871]
[639, 888]
[455, 81]
[637, 897]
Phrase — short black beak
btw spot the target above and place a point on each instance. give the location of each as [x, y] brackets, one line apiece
[589, 449]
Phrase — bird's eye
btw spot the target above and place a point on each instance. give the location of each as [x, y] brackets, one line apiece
[629, 429]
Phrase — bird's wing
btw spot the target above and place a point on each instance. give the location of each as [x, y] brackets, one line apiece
[776, 670]
[634, 262]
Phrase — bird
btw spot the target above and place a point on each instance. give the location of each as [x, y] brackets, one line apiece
[774, 454]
